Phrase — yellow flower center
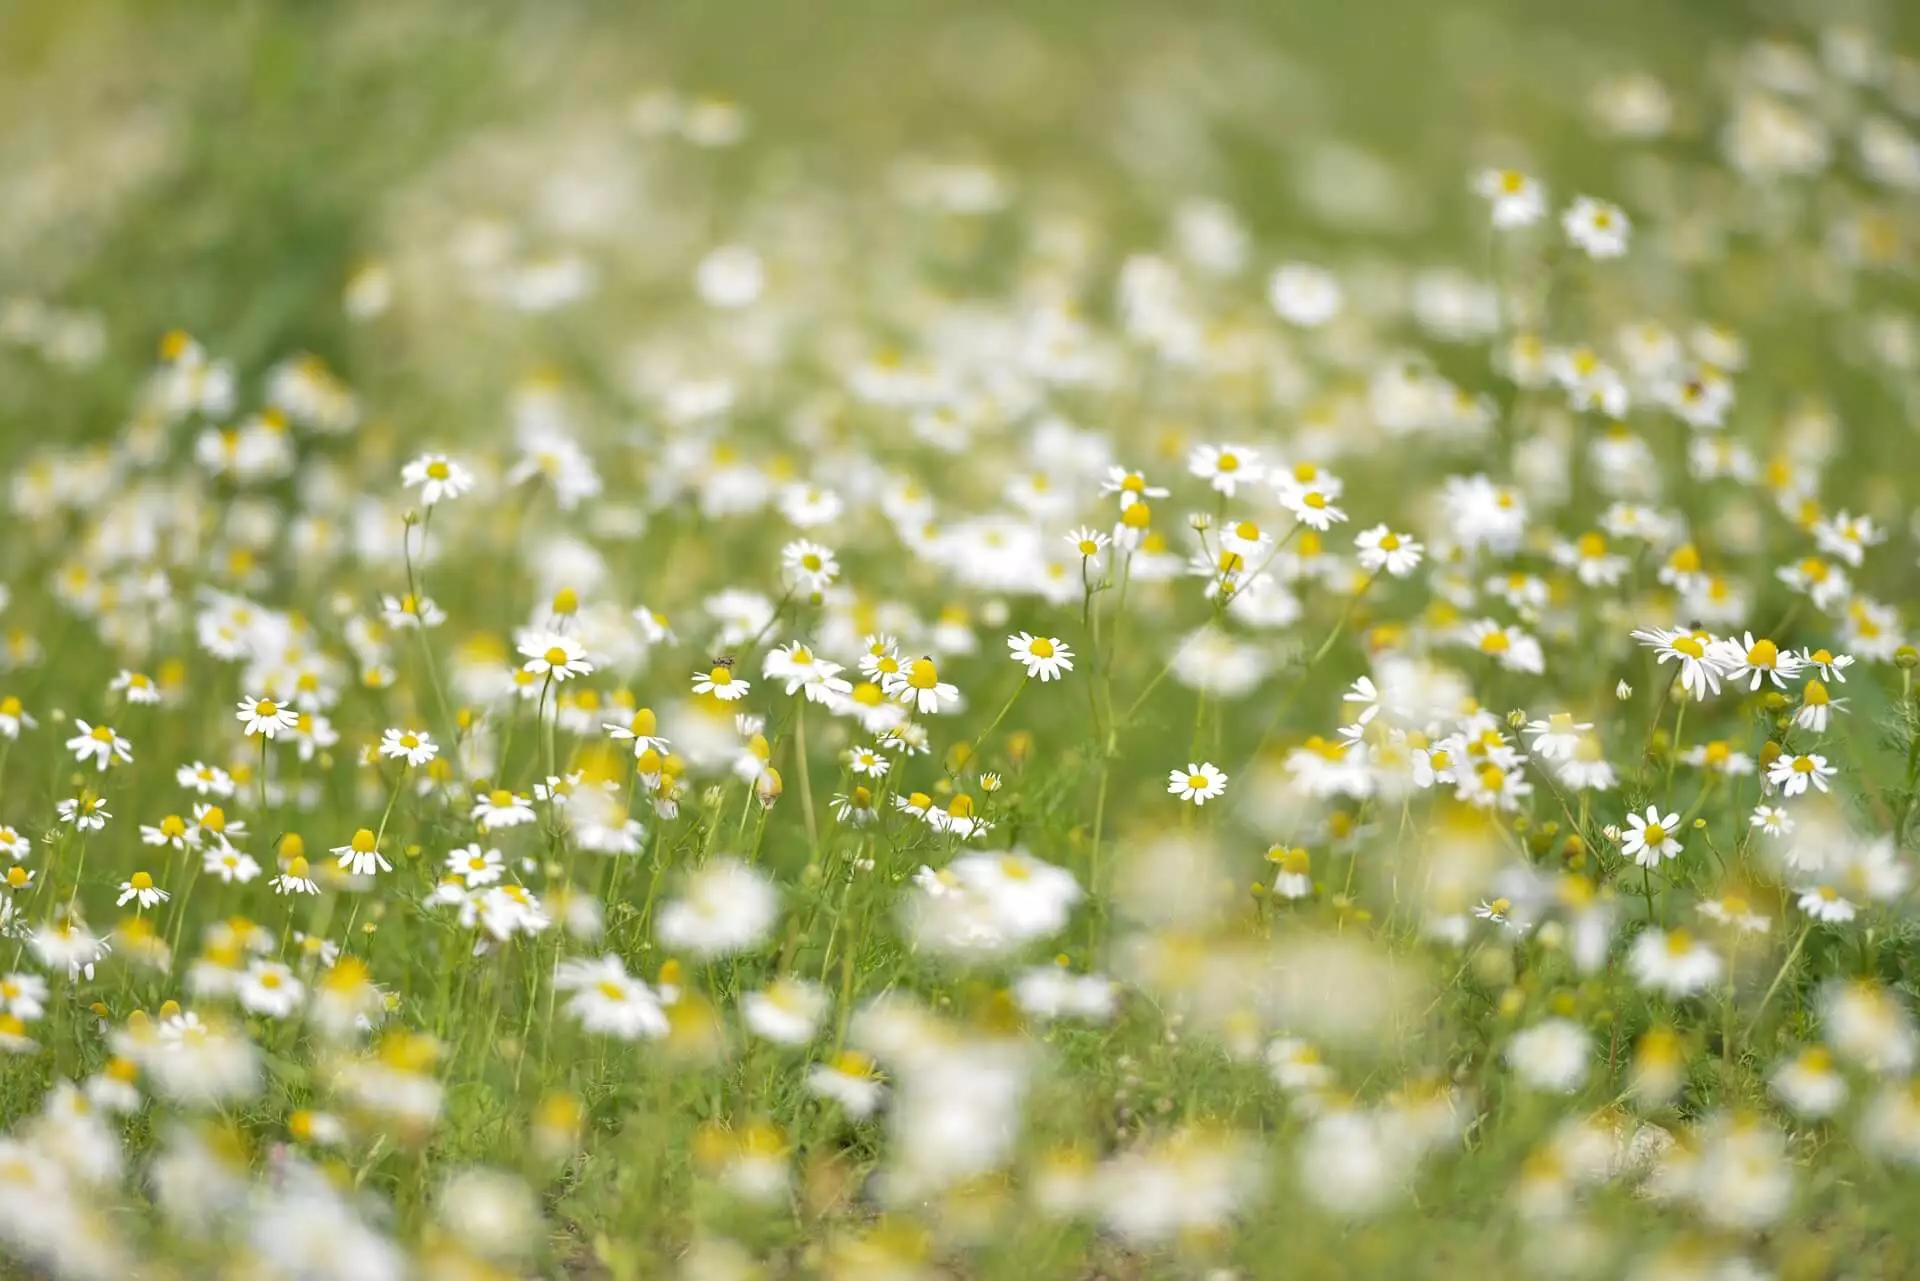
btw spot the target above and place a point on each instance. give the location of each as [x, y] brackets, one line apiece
[438, 470]
[297, 867]
[921, 674]
[1764, 653]
[214, 819]
[1314, 499]
[1689, 646]
[1228, 461]
[1653, 834]
[1040, 647]
[721, 676]
[1815, 694]
[140, 881]
[101, 734]
[1803, 764]
[362, 842]
[173, 827]
[1495, 642]
[556, 657]
[1389, 542]
[1592, 545]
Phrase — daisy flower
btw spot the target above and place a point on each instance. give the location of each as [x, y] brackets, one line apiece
[1380, 549]
[868, 762]
[640, 730]
[1673, 962]
[1761, 659]
[1773, 820]
[1225, 467]
[922, 689]
[720, 682]
[361, 856]
[437, 477]
[1312, 508]
[1831, 666]
[137, 687]
[140, 888]
[1824, 903]
[1044, 657]
[1516, 200]
[1651, 838]
[1198, 783]
[232, 866]
[1557, 737]
[1088, 543]
[411, 745]
[809, 565]
[1693, 651]
[1817, 706]
[408, 611]
[13, 717]
[86, 812]
[207, 780]
[1132, 486]
[475, 865]
[171, 831]
[1793, 774]
[98, 743]
[263, 716]
[1598, 228]
[555, 655]
[500, 808]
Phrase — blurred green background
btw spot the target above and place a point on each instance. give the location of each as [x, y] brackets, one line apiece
[222, 167]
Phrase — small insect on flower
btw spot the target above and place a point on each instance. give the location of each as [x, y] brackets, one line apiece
[140, 887]
[1598, 228]
[1044, 657]
[1198, 783]
[361, 856]
[411, 745]
[437, 477]
[1794, 774]
[99, 744]
[554, 655]
[720, 681]
[263, 716]
[1651, 838]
